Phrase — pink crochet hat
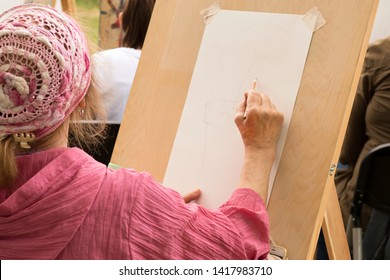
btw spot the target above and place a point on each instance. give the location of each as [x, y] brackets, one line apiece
[44, 69]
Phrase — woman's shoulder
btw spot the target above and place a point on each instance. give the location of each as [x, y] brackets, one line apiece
[125, 178]
[117, 52]
[378, 54]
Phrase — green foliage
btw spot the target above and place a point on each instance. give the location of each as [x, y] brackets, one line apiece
[87, 4]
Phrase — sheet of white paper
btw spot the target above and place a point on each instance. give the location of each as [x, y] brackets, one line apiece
[236, 47]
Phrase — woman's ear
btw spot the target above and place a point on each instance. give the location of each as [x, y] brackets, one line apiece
[82, 104]
[120, 17]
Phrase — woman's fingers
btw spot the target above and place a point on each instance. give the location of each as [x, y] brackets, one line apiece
[194, 195]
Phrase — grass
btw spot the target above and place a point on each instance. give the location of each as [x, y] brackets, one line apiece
[87, 4]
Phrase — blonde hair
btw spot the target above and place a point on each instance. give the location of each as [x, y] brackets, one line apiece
[88, 129]
[8, 168]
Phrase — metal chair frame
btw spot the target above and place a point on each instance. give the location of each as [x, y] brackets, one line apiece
[373, 189]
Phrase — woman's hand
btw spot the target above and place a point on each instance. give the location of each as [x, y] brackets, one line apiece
[258, 121]
[194, 195]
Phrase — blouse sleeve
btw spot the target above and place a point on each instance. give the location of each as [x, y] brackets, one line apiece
[355, 136]
[162, 226]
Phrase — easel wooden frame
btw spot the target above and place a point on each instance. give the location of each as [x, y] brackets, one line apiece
[69, 6]
[303, 197]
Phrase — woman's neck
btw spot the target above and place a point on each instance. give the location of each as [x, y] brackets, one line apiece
[56, 139]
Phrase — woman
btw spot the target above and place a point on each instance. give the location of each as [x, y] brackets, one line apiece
[120, 64]
[117, 67]
[59, 203]
[369, 123]
[368, 127]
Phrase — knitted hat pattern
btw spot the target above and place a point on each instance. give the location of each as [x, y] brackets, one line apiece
[44, 69]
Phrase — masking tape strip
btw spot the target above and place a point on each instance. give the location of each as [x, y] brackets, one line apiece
[313, 19]
[209, 13]
[114, 166]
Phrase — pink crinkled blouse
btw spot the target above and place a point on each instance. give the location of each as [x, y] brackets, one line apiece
[65, 205]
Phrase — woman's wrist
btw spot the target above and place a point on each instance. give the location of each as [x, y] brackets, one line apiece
[252, 152]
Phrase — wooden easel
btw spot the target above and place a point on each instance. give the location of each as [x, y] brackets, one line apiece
[303, 196]
[69, 6]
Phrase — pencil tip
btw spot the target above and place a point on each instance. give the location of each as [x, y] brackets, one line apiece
[254, 83]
